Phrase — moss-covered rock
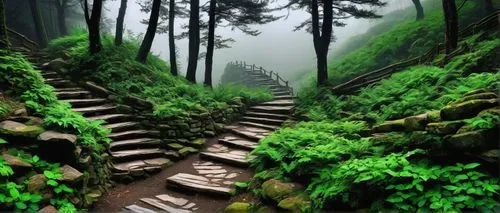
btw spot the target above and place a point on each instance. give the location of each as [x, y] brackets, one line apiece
[479, 96]
[13, 128]
[467, 109]
[277, 190]
[416, 123]
[445, 128]
[390, 126]
[472, 141]
[295, 204]
[238, 207]
[187, 150]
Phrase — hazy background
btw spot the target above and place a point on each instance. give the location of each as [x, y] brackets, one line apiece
[278, 48]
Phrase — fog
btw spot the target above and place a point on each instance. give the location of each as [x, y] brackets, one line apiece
[277, 48]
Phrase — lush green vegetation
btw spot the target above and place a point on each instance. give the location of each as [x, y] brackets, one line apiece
[19, 79]
[116, 68]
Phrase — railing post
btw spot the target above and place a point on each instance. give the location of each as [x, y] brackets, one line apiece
[271, 74]
[260, 69]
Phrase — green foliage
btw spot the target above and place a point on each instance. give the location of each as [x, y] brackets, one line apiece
[5, 110]
[226, 93]
[484, 121]
[483, 54]
[406, 185]
[116, 68]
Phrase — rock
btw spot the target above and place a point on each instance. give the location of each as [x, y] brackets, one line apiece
[120, 108]
[57, 64]
[415, 123]
[209, 133]
[48, 209]
[52, 136]
[390, 126]
[434, 116]
[138, 102]
[491, 156]
[466, 109]
[198, 142]
[21, 112]
[277, 190]
[36, 183]
[470, 141]
[70, 174]
[172, 155]
[295, 204]
[477, 91]
[187, 150]
[494, 111]
[485, 95]
[445, 128]
[15, 162]
[18, 129]
[27, 120]
[238, 207]
[175, 146]
[97, 90]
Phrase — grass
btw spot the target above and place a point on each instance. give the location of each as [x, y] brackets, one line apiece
[116, 68]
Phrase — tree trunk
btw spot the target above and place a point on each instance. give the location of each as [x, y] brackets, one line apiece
[488, 7]
[40, 30]
[119, 22]
[61, 16]
[93, 23]
[322, 41]
[171, 38]
[420, 9]
[210, 44]
[451, 21]
[4, 40]
[194, 40]
[142, 55]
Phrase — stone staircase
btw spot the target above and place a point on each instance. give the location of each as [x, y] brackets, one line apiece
[134, 151]
[213, 174]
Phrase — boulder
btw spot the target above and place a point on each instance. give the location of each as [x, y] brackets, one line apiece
[18, 129]
[56, 64]
[70, 174]
[238, 207]
[445, 128]
[27, 120]
[48, 209]
[15, 162]
[479, 96]
[21, 112]
[57, 146]
[390, 126]
[471, 141]
[36, 183]
[96, 89]
[491, 156]
[277, 190]
[198, 143]
[467, 109]
[415, 123]
[57, 137]
[295, 204]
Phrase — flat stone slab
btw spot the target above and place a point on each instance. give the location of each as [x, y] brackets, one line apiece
[139, 209]
[272, 116]
[127, 134]
[224, 154]
[136, 153]
[110, 117]
[139, 142]
[278, 103]
[273, 109]
[85, 102]
[172, 199]
[281, 97]
[263, 119]
[259, 125]
[120, 126]
[252, 133]
[94, 109]
[197, 183]
[239, 142]
[141, 164]
[162, 206]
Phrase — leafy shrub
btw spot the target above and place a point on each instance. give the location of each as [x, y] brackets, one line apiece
[484, 121]
[116, 68]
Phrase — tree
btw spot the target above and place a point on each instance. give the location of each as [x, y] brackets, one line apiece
[171, 38]
[93, 23]
[451, 22]
[119, 22]
[194, 39]
[150, 32]
[238, 14]
[40, 30]
[61, 6]
[331, 14]
[420, 9]
[4, 41]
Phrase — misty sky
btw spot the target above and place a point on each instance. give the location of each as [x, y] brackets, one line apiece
[278, 48]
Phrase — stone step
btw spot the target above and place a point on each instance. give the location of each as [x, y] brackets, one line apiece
[238, 142]
[261, 115]
[95, 110]
[285, 110]
[134, 144]
[139, 167]
[59, 82]
[252, 133]
[283, 97]
[111, 117]
[259, 125]
[122, 126]
[224, 154]
[138, 209]
[140, 133]
[197, 183]
[278, 103]
[50, 74]
[136, 154]
[73, 94]
[85, 102]
[283, 93]
[164, 207]
[68, 89]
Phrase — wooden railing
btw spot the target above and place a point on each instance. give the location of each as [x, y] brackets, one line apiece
[19, 40]
[487, 23]
[271, 74]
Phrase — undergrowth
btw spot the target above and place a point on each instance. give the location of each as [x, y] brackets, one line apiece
[116, 68]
